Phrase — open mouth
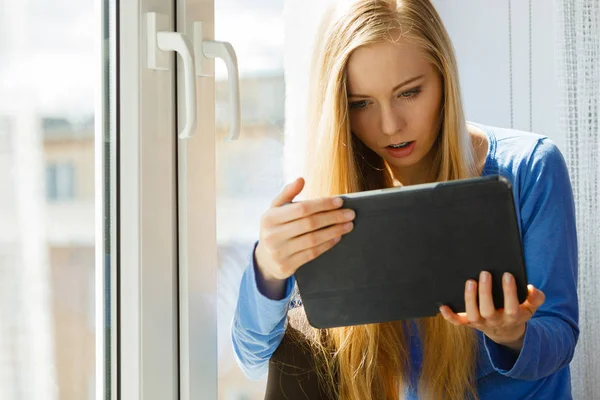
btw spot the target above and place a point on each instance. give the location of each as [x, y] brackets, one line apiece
[399, 145]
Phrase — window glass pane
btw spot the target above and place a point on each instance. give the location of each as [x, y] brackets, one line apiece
[47, 77]
[250, 170]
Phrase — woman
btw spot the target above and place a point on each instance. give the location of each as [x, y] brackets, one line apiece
[386, 110]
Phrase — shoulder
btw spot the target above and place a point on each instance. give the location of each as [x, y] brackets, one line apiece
[519, 155]
[539, 174]
[520, 146]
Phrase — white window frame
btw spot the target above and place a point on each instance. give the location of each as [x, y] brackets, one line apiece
[147, 214]
[158, 349]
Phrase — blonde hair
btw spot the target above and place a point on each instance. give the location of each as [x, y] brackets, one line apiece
[373, 361]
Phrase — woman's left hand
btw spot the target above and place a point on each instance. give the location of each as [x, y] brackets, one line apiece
[504, 326]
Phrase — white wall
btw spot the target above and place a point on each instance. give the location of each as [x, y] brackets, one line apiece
[479, 31]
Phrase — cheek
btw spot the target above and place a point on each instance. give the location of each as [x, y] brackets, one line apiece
[361, 124]
[420, 117]
[435, 102]
[425, 114]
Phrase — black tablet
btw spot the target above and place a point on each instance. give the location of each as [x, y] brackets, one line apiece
[412, 249]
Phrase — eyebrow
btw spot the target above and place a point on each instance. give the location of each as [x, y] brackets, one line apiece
[406, 82]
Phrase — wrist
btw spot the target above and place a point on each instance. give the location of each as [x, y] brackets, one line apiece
[514, 341]
[259, 263]
[268, 285]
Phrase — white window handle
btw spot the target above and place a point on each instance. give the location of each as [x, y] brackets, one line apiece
[205, 49]
[159, 38]
[179, 43]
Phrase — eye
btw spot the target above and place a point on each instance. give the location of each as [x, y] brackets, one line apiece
[410, 94]
[358, 105]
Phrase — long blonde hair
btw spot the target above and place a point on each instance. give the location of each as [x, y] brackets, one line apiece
[372, 361]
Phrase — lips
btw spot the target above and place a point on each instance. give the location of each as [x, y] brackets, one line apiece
[401, 152]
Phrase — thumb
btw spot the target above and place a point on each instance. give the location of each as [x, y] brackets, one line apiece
[289, 192]
[535, 299]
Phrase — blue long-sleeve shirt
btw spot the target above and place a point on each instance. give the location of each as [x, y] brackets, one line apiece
[546, 216]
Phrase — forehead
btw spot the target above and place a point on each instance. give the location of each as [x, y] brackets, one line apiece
[378, 67]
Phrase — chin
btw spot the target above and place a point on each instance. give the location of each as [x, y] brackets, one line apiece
[405, 162]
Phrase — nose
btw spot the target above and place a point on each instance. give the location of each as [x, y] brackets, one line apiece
[391, 120]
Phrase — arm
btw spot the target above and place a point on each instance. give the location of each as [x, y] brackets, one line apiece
[550, 251]
[259, 323]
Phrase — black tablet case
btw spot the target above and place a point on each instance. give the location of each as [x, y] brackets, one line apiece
[412, 249]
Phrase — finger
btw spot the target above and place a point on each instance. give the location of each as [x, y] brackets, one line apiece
[471, 308]
[511, 300]
[452, 317]
[313, 239]
[280, 235]
[300, 258]
[288, 193]
[315, 222]
[534, 300]
[292, 212]
[486, 301]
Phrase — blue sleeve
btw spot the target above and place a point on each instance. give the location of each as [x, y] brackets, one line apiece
[550, 251]
[259, 323]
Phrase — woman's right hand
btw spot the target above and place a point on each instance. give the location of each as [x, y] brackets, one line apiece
[293, 234]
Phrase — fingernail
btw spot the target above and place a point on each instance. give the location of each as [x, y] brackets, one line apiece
[338, 201]
[485, 277]
[507, 278]
[348, 226]
[470, 286]
[349, 214]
